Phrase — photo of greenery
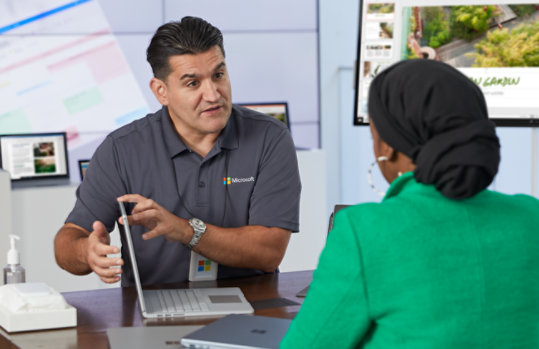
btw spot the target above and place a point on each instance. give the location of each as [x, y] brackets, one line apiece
[381, 8]
[475, 36]
[44, 160]
[45, 165]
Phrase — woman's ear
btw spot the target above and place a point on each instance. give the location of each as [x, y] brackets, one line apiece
[159, 89]
[387, 151]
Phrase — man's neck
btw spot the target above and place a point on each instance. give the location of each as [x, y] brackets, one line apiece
[200, 144]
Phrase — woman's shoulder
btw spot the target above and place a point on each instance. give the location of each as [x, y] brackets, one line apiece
[518, 201]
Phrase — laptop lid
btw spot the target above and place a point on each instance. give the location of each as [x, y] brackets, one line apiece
[278, 110]
[239, 331]
[219, 301]
[35, 158]
[144, 337]
[336, 208]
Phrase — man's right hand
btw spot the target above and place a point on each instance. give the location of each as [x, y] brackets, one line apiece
[98, 248]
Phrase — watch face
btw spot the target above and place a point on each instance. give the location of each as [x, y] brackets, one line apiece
[199, 224]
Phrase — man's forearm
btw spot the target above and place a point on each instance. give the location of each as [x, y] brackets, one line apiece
[255, 247]
[70, 249]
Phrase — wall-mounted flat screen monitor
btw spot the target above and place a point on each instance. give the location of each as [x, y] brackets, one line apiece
[493, 43]
[35, 158]
[83, 166]
[278, 110]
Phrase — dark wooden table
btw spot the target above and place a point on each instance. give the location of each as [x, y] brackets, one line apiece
[97, 310]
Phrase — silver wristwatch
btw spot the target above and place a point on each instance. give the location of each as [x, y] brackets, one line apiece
[199, 228]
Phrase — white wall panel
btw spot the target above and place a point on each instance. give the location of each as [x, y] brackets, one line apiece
[134, 49]
[306, 135]
[515, 171]
[266, 67]
[248, 15]
[133, 16]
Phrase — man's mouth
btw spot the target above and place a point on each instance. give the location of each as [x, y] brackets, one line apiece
[212, 109]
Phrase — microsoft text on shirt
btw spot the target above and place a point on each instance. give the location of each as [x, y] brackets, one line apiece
[234, 180]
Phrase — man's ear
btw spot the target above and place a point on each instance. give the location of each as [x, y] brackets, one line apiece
[159, 89]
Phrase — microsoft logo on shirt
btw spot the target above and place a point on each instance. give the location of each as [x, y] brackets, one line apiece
[230, 180]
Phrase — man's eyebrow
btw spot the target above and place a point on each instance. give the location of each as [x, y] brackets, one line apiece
[219, 66]
[188, 76]
[192, 76]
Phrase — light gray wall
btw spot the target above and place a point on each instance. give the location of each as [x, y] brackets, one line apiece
[348, 148]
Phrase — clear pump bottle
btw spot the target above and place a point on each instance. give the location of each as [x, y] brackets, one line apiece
[13, 271]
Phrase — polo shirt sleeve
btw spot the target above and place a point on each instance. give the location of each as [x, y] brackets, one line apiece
[96, 195]
[275, 198]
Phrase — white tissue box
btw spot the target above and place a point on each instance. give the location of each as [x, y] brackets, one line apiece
[34, 306]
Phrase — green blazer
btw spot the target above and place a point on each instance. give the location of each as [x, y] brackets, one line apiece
[419, 270]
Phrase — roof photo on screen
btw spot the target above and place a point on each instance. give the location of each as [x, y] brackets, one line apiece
[472, 38]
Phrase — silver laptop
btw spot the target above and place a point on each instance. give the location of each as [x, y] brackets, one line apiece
[184, 302]
[239, 331]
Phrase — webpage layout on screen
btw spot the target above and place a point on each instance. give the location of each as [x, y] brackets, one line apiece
[490, 42]
[34, 156]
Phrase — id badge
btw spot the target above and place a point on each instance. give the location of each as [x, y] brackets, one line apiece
[202, 268]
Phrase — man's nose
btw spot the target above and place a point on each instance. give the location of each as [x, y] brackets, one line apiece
[210, 91]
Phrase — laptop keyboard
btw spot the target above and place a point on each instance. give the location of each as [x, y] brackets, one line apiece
[176, 301]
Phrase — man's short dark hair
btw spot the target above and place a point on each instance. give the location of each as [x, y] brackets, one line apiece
[191, 35]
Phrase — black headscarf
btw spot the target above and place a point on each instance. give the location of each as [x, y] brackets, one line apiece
[438, 117]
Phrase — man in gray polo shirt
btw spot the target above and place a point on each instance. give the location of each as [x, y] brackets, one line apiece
[200, 174]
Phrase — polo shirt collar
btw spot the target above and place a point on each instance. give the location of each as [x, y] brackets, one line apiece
[228, 138]
[172, 140]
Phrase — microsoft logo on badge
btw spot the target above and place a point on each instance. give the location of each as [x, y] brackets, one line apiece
[226, 181]
[204, 265]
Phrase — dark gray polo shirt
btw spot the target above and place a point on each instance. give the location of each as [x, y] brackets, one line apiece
[254, 152]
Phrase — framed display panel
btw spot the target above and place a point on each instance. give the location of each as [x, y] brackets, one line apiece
[278, 110]
[34, 157]
[490, 42]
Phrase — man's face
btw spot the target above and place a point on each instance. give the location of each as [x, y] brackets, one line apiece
[197, 92]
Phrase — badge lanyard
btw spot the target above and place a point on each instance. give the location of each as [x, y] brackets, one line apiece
[200, 267]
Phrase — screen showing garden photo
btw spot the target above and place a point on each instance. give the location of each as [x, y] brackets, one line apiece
[494, 44]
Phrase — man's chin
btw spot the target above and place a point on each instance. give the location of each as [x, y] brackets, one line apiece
[215, 125]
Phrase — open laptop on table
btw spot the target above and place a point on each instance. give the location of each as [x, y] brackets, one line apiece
[162, 303]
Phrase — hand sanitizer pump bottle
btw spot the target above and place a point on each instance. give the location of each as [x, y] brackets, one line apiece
[13, 271]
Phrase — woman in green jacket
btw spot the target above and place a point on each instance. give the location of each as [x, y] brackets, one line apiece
[441, 262]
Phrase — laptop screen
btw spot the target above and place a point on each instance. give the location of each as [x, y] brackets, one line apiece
[278, 110]
[34, 156]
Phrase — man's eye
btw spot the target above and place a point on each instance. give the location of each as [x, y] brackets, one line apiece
[219, 75]
[192, 83]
